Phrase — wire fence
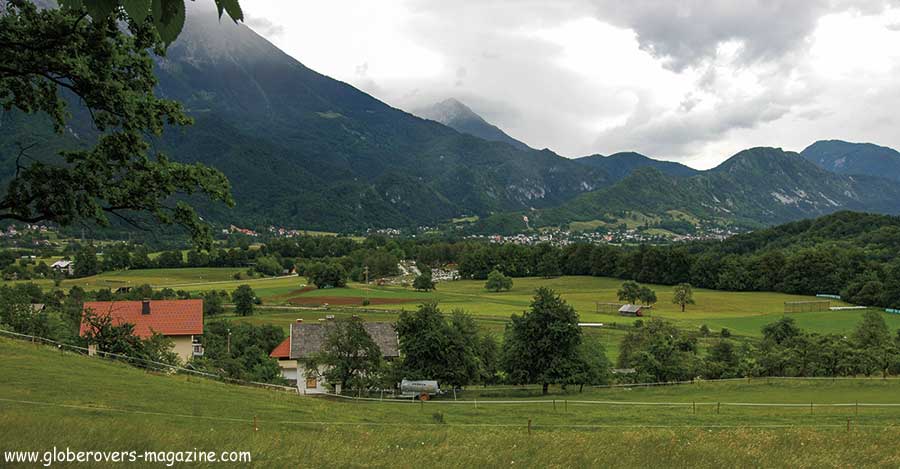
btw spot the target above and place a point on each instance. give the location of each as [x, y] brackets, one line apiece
[554, 401]
[529, 424]
[828, 418]
[565, 402]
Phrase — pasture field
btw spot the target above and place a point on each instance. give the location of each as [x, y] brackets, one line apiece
[743, 313]
[51, 399]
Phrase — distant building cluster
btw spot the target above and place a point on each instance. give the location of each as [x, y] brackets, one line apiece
[623, 236]
[12, 231]
[244, 231]
[285, 232]
[383, 231]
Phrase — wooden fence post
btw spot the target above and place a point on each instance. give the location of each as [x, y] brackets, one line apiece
[718, 405]
[529, 426]
[694, 405]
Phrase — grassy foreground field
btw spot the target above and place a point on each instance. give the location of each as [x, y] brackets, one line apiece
[48, 399]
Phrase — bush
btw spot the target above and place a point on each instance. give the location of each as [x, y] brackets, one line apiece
[725, 332]
[496, 281]
[423, 282]
[704, 330]
[325, 275]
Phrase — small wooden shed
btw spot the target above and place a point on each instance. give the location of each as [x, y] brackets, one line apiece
[631, 310]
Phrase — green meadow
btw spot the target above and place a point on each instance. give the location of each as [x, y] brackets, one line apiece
[743, 313]
[49, 398]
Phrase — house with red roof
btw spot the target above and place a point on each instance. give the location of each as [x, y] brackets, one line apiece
[179, 320]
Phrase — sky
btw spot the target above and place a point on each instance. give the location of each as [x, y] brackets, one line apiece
[689, 81]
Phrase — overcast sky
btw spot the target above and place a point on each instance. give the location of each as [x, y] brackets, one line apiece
[691, 81]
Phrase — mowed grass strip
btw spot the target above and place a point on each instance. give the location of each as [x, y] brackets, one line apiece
[115, 407]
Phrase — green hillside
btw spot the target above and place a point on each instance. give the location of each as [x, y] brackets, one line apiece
[620, 165]
[66, 400]
[303, 149]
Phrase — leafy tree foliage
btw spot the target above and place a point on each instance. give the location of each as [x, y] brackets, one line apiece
[683, 295]
[17, 314]
[433, 348]
[349, 356]
[109, 70]
[213, 302]
[543, 344]
[647, 296]
[170, 260]
[268, 265]
[245, 355]
[86, 263]
[496, 281]
[424, 282]
[326, 275]
[548, 265]
[872, 331]
[630, 292]
[489, 354]
[593, 368]
[244, 298]
[660, 352]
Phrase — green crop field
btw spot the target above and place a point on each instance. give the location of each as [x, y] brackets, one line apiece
[52, 399]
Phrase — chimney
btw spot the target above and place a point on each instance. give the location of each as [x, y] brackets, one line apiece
[145, 307]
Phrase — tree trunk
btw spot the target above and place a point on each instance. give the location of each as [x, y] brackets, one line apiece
[545, 388]
[682, 307]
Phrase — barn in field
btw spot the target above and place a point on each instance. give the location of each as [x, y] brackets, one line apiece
[631, 310]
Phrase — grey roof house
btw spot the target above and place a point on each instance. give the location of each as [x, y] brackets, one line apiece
[308, 338]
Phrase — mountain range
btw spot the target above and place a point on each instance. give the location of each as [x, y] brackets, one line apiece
[756, 187]
[456, 115]
[620, 165]
[304, 150]
[855, 158]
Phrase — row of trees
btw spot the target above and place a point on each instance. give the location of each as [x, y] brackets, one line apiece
[543, 345]
[849, 271]
[659, 351]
